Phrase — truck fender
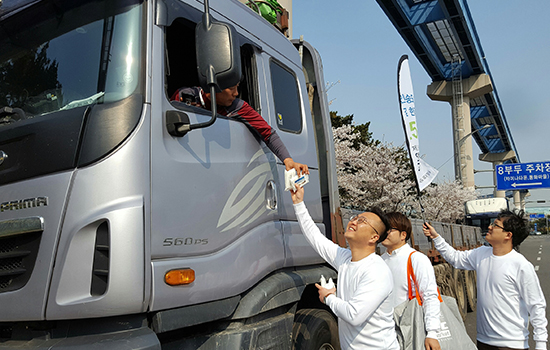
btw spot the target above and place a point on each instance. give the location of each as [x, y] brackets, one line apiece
[281, 288]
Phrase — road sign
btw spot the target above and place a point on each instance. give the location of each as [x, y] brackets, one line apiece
[522, 176]
[536, 216]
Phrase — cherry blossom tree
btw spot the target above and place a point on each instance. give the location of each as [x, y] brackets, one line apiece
[373, 173]
[444, 202]
[370, 175]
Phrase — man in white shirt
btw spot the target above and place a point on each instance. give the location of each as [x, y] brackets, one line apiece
[508, 289]
[396, 257]
[362, 299]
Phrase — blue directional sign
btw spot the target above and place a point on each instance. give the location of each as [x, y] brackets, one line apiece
[522, 176]
[537, 216]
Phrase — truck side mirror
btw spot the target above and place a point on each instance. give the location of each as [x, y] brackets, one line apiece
[218, 62]
[218, 54]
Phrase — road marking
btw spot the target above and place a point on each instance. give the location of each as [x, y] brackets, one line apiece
[540, 252]
[536, 268]
[538, 258]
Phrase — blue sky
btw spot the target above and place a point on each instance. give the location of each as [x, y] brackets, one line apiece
[360, 47]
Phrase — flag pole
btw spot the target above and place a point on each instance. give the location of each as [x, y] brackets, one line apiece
[424, 174]
[422, 214]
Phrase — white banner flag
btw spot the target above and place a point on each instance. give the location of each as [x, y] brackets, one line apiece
[424, 173]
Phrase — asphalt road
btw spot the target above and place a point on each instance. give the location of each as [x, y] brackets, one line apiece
[535, 249]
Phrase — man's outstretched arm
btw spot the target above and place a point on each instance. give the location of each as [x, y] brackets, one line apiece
[459, 259]
[327, 249]
[245, 113]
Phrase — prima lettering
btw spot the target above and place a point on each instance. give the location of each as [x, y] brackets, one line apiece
[24, 204]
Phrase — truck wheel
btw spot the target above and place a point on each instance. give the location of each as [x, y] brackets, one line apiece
[444, 280]
[451, 278]
[315, 329]
[471, 289]
[460, 292]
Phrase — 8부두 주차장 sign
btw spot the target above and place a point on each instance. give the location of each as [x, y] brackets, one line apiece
[522, 176]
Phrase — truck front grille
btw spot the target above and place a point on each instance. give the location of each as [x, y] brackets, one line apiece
[19, 243]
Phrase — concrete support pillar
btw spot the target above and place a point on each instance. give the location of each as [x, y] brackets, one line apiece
[472, 87]
[465, 152]
[497, 159]
[519, 199]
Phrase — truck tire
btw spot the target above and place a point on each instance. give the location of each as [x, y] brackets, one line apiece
[315, 329]
[471, 289]
[460, 292]
[444, 279]
[450, 276]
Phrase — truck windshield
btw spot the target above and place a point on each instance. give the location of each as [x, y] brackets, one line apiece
[58, 55]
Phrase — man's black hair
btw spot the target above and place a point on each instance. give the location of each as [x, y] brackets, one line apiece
[380, 213]
[515, 222]
[400, 222]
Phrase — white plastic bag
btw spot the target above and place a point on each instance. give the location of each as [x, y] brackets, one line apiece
[411, 333]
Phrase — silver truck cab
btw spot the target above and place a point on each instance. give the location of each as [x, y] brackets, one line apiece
[100, 199]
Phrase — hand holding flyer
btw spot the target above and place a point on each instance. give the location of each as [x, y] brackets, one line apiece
[292, 180]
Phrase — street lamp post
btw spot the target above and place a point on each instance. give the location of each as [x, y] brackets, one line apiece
[457, 155]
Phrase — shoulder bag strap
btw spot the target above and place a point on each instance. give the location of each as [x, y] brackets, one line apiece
[412, 277]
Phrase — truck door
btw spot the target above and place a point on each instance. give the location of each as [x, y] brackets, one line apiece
[214, 191]
[290, 114]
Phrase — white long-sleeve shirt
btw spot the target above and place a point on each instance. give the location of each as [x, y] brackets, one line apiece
[364, 289]
[508, 294]
[425, 277]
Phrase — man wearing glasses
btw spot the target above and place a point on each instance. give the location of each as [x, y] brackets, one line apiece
[508, 288]
[396, 257]
[362, 299]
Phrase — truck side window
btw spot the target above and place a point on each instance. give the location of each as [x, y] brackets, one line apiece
[181, 63]
[287, 101]
[180, 56]
[248, 87]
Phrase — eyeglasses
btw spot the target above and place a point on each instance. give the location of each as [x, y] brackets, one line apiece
[362, 220]
[497, 225]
